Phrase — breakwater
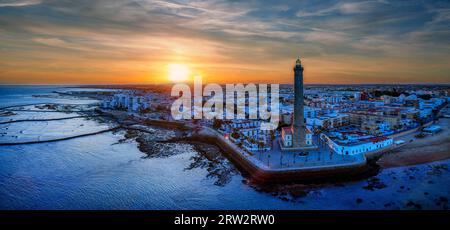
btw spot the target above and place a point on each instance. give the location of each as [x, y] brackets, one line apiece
[62, 138]
[50, 119]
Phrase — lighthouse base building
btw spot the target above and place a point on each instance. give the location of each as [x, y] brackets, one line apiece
[297, 137]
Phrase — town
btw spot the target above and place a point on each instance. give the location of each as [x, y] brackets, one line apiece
[319, 124]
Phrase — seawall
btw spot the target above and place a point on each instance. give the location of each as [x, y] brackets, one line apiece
[257, 172]
[262, 174]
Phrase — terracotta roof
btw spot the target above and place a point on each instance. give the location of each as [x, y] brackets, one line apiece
[287, 130]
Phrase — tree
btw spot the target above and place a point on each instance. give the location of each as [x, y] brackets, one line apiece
[261, 145]
[217, 123]
[235, 134]
[272, 137]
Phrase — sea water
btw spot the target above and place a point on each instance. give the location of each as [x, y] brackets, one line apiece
[101, 172]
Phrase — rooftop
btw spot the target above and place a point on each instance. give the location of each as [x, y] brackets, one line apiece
[354, 138]
[288, 130]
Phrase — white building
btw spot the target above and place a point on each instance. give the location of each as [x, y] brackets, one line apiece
[252, 137]
[286, 136]
[256, 145]
[242, 124]
[287, 113]
[432, 129]
[329, 121]
[352, 143]
[125, 101]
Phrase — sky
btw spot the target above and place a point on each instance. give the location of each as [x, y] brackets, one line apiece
[134, 42]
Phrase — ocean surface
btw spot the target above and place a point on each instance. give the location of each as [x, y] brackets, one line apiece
[103, 172]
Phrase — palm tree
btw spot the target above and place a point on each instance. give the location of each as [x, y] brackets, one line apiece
[260, 145]
[272, 137]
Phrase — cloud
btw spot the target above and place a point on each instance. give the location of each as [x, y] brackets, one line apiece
[344, 8]
[18, 3]
[228, 35]
[51, 42]
[356, 7]
[326, 37]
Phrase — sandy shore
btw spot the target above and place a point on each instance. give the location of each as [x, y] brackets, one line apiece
[423, 150]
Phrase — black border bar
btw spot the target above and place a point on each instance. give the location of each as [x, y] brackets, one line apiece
[301, 219]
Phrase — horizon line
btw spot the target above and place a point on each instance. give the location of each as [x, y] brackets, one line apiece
[143, 84]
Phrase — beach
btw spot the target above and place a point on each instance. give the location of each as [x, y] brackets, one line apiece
[431, 148]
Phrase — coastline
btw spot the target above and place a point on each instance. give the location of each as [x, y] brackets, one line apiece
[418, 152]
[428, 149]
[363, 190]
[254, 171]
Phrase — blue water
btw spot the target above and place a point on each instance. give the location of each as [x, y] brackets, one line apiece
[96, 173]
[23, 95]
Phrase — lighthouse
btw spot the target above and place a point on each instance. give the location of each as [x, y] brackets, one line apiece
[298, 125]
[297, 137]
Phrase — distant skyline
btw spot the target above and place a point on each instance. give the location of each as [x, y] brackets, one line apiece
[135, 42]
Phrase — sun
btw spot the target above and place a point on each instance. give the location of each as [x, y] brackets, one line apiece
[178, 72]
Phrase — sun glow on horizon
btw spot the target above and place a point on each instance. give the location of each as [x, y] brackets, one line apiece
[178, 72]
